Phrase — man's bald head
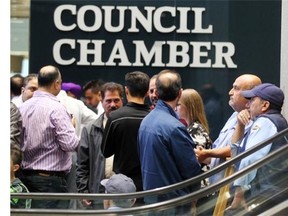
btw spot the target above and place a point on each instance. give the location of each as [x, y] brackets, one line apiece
[243, 82]
[168, 85]
[49, 79]
[47, 75]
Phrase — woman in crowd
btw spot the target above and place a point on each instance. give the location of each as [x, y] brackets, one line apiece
[190, 108]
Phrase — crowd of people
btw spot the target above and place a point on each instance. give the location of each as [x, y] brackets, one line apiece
[61, 143]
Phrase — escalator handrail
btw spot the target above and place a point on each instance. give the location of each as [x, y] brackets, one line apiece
[165, 204]
[161, 190]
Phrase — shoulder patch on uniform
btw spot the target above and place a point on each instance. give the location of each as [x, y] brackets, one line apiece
[256, 127]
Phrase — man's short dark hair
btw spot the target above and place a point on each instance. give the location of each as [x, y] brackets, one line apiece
[16, 154]
[138, 83]
[16, 83]
[112, 86]
[94, 85]
[168, 87]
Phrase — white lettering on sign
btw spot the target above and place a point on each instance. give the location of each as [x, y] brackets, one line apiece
[193, 54]
[104, 14]
[133, 21]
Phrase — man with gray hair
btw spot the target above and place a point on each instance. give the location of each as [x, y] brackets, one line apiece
[30, 85]
[91, 164]
[237, 103]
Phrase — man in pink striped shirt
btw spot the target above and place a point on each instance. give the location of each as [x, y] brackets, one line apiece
[49, 138]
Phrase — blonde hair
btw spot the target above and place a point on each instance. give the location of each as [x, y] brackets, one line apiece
[193, 102]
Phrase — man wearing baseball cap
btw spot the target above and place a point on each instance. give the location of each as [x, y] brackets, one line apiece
[116, 184]
[268, 92]
[264, 110]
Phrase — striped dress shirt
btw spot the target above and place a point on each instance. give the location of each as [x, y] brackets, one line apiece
[49, 136]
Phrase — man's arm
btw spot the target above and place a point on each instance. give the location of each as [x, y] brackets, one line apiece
[222, 152]
[83, 165]
[15, 125]
[182, 150]
[243, 119]
[65, 131]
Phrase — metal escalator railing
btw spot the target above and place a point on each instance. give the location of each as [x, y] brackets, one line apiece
[158, 206]
[162, 205]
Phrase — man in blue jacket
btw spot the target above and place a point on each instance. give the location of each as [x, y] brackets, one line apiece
[165, 147]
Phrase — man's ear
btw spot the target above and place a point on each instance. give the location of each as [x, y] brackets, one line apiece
[126, 90]
[266, 106]
[55, 84]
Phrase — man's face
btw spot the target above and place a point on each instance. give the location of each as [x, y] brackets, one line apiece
[111, 101]
[237, 101]
[92, 98]
[256, 106]
[152, 92]
[28, 90]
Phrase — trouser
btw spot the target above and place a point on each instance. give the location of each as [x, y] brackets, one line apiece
[46, 184]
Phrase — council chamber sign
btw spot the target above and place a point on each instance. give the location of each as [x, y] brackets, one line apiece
[134, 20]
[200, 39]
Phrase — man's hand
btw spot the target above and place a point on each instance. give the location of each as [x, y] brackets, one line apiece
[244, 117]
[86, 202]
[200, 154]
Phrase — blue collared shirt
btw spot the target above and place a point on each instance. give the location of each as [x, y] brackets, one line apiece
[224, 139]
[261, 129]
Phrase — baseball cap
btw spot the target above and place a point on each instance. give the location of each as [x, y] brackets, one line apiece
[266, 91]
[72, 87]
[119, 183]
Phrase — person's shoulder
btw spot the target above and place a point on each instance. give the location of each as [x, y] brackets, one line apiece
[17, 186]
[92, 128]
[122, 112]
[76, 102]
[262, 122]
[97, 123]
[169, 122]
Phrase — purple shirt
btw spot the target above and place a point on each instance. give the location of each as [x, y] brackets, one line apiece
[49, 136]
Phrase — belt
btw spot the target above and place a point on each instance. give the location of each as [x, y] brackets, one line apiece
[43, 173]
